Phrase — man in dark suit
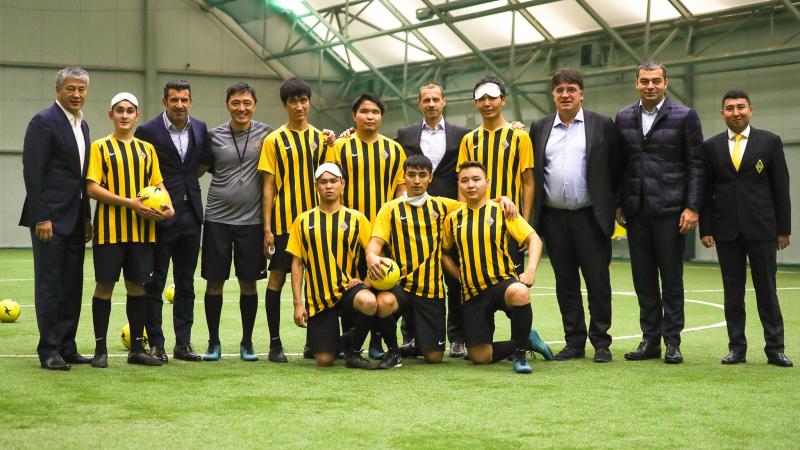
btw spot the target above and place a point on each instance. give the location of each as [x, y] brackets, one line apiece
[747, 215]
[179, 141]
[439, 141]
[661, 196]
[576, 176]
[57, 212]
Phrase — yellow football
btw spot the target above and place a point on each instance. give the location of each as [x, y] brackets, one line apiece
[390, 277]
[156, 198]
[9, 310]
[169, 293]
[126, 337]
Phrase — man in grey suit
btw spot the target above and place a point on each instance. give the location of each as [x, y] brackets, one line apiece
[577, 176]
[439, 141]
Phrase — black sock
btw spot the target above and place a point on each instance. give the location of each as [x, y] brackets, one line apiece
[388, 327]
[213, 305]
[272, 301]
[375, 335]
[101, 312]
[502, 350]
[521, 322]
[136, 307]
[360, 331]
[248, 307]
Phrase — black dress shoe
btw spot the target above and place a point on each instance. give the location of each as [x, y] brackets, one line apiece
[673, 354]
[733, 357]
[143, 359]
[185, 352]
[779, 359]
[100, 360]
[646, 350]
[602, 354]
[569, 353]
[276, 354]
[77, 358]
[55, 363]
[159, 353]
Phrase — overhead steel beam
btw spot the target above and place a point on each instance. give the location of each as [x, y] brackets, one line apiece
[444, 16]
[791, 8]
[386, 81]
[400, 17]
[534, 22]
[611, 32]
[681, 8]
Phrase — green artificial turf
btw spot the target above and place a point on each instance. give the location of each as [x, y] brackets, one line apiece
[575, 404]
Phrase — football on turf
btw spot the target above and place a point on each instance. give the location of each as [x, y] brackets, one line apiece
[126, 337]
[9, 310]
[156, 198]
[169, 293]
[390, 277]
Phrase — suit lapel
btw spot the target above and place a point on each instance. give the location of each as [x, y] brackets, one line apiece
[161, 129]
[588, 128]
[541, 141]
[69, 137]
[750, 157]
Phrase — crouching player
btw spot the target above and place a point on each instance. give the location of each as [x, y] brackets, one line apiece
[120, 165]
[488, 277]
[326, 243]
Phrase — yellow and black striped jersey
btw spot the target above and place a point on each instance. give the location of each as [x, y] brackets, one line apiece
[331, 246]
[413, 235]
[292, 157]
[372, 172]
[505, 152]
[481, 236]
[124, 168]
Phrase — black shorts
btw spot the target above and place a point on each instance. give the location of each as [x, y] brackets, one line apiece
[479, 313]
[135, 258]
[430, 324]
[245, 242]
[281, 260]
[323, 327]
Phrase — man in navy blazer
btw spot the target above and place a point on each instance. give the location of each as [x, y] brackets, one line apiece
[576, 178]
[747, 215]
[439, 141]
[661, 196]
[57, 212]
[179, 141]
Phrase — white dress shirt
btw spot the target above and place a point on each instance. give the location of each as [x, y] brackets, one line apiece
[565, 165]
[179, 137]
[742, 143]
[75, 123]
[649, 117]
[433, 142]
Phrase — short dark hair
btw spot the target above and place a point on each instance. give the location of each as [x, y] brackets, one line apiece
[418, 161]
[471, 164]
[427, 85]
[735, 93]
[238, 88]
[651, 64]
[490, 79]
[178, 85]
[368, 97]
[294, 87]
[566, 75]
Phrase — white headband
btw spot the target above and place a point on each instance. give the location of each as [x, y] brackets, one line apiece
[328, 167]
[124, 96]
[490, 89]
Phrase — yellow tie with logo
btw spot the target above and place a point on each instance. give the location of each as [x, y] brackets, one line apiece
[737, 152]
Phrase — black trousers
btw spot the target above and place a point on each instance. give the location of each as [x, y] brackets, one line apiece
[58, 280]
[181, 244]
[576, 245]
[733, 257]
[656, 249]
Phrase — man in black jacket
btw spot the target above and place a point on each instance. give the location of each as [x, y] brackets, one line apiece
[747, 215]
[179, 140]
[577, 175]
[439, 141]
[662, 192]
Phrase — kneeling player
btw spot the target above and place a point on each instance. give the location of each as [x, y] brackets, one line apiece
[488, 277]
[326, 243]
[120, 165]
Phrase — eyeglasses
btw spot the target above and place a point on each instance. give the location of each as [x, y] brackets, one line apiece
[570, 90]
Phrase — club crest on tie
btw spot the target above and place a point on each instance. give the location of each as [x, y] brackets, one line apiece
[759, 166]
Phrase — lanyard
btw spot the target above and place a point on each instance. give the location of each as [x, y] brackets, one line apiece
[244, 150]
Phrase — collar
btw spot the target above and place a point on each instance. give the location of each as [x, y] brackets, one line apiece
[439, 126]
[171, 127]
[74, 119]
[745, 133]
[578, 118]
[656, 109]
